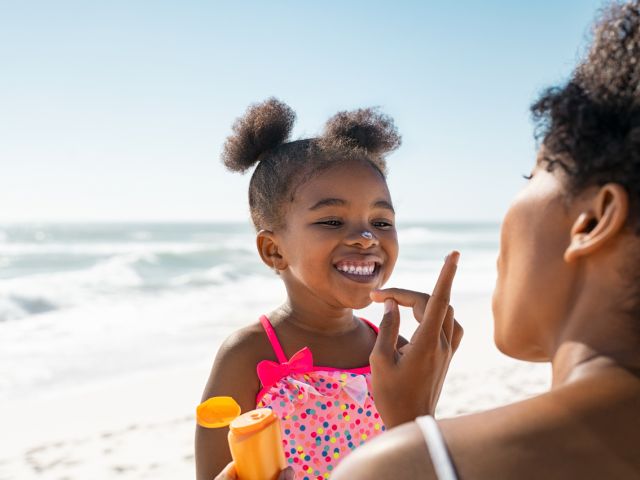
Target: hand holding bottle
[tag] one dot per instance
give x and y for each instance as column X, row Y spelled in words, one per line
column 229, row 473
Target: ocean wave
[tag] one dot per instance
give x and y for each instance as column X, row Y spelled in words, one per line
column 112, row 248
column 213, row 276
column 427, row 235
column 15, row 307
column 41, row 277
column 141, row 235
column 120, row 278
column 35, row 294
column 11, row 310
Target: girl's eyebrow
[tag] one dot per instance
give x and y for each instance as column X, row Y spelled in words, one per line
column 384, row 204
column 338, row 202
column 328, row 202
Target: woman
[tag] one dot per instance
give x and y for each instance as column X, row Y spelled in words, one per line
column 568, row 292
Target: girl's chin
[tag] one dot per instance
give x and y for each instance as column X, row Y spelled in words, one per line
column 361, row 303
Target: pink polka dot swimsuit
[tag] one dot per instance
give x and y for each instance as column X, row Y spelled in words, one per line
column 324, row 412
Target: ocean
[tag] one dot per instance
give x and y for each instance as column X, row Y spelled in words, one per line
column 83, row 303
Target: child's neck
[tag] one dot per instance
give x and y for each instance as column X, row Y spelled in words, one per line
column 330, row 321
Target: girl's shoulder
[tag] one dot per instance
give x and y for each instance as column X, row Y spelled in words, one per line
column 248, row 345
column 234, row 369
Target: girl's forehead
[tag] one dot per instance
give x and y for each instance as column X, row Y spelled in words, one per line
column 348, row 181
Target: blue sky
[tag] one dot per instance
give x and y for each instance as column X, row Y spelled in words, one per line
column 118, row 110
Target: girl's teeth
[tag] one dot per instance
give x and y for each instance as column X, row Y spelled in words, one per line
column 357, row 270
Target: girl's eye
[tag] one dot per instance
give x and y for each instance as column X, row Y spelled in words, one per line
column 330, row 223
column 528, row 177
column 382, row 224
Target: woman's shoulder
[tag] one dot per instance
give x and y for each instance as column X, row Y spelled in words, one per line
column 588, row 429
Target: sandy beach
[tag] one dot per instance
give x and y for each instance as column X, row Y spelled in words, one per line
column 141, row 426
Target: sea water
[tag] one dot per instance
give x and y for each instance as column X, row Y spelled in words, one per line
column 82, row 303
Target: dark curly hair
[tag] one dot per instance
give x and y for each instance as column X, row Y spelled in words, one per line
column 590, row 127
column 261, row 136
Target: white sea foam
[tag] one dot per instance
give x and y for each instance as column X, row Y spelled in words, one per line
column 102, row 248
column 35, row 294
column 427, row 235
column 84, row 304
column 215, row 275
column 104, row 339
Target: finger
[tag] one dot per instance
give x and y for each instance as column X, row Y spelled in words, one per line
column 447, row 325
column 437, row 306
column 407, row 298
column 456, row 338
column 385, row 346
column 228, row 473
column 286, row 474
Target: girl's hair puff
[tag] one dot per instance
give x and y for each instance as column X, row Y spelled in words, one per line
column 261, row 136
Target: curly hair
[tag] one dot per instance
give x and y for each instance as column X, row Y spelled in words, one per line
column 261, row 136
column 591, row 125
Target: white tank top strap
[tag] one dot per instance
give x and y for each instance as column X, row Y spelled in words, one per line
column 437, row 448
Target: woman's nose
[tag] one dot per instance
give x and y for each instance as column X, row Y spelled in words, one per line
column 363, row 238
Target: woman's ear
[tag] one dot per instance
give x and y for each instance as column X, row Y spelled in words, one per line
column 604, row 216
column 269, row 250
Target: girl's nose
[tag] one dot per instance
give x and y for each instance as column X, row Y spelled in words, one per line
column 363, row 238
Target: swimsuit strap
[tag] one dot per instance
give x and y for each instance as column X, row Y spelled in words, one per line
column 440, row 458
column 275, row 343
column 273, row 339
column 373, row 327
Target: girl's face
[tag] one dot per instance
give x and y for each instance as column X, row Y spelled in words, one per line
column 534, row 282
column 328, row 258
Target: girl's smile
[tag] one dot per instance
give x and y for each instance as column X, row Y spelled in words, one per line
column 360, row 269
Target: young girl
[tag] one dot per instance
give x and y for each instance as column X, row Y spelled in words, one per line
column 326, row 226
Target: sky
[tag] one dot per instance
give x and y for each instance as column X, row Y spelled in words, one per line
column 117, row 111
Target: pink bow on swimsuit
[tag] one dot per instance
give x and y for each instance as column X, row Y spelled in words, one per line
column 271, row 372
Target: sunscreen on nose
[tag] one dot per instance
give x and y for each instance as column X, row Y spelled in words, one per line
column 255, row 439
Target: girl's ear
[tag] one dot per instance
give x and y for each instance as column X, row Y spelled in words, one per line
column 603, row 218
column 269, row 251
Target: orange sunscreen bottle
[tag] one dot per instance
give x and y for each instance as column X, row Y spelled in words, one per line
column 254, row 437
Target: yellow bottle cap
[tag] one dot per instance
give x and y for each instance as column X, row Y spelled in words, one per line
column 253, row 421
column 217, row 412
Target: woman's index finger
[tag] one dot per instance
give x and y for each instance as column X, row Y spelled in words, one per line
column 429, row 329
column 442, row 290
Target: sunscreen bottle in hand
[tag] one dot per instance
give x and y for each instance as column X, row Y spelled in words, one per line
column 254, row 437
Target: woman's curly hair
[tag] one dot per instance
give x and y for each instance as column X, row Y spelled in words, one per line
column 261, row 136
column 591, row 125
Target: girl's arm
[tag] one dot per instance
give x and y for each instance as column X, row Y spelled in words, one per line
column 233, row 374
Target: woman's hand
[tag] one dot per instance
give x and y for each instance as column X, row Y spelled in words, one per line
column 229, row 473
column 407, row 381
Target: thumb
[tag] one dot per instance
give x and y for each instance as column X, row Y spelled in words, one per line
column 286, row 474
column 229, row 473
column 385, row 346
